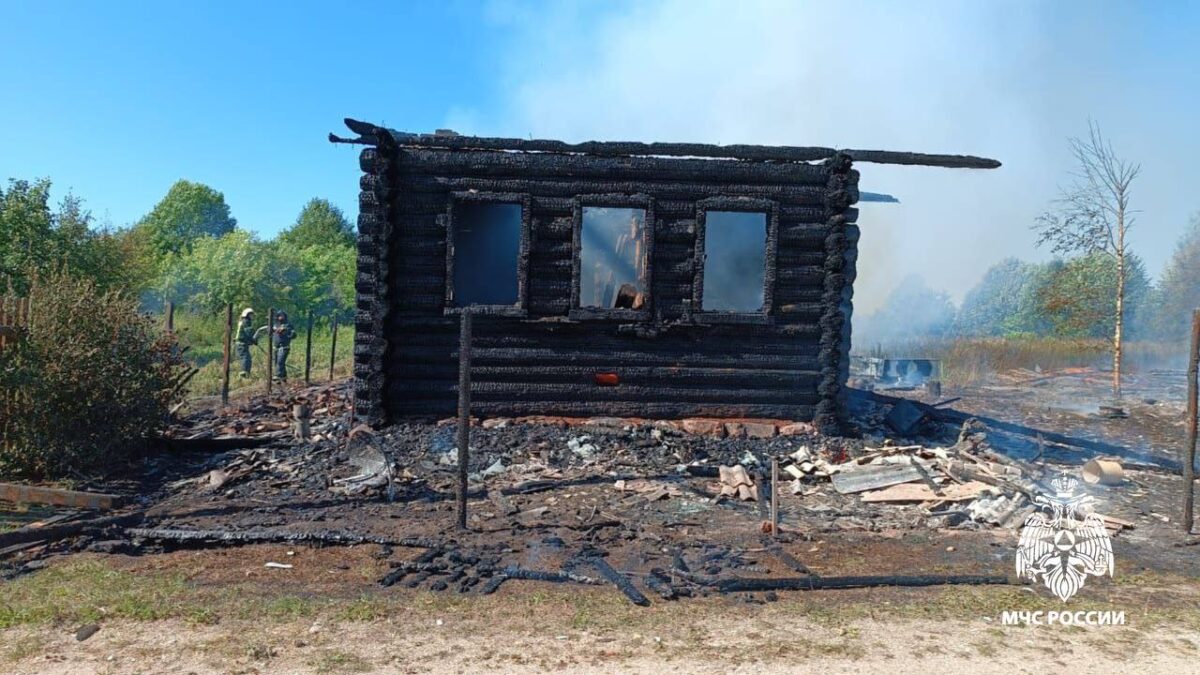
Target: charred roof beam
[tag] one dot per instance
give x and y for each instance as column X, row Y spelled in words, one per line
column 370, row 134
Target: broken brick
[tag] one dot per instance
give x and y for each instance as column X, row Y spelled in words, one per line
column 702, row 427
column 797, row 429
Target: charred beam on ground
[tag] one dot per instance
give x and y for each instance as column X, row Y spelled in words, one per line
column 621, row 581
column 243, row 537
column 813, row 583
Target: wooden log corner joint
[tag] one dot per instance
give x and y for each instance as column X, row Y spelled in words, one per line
column 654, row 280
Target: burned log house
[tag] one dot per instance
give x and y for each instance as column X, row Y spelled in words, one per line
column 620, row 279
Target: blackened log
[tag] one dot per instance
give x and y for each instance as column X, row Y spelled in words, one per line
column 417, row 579
column 419, row 566
column 796, row 296
column 661, row 586
column 241, row 537
column 52, row 533
column 392, row 577
column 515, row 572
column 805, row 236
column 803, row 359
column 419, row 188
column 647, row 376
column 676, row 231
column 371, row 133
column 419, row 247
column 552, row 249
column 554, row 228
column 493, row 584
column 641, row 409
column 513, row 165
column 537, row 391
column 922, row 159
column 621, row 581
column 801, row 275
column 813, row 583
column 500, row 333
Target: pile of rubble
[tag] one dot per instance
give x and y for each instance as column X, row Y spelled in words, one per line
column 316, row 413
column 828, row 483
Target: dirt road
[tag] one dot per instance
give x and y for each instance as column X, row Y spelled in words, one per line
column 226, row 612
column 730, row 640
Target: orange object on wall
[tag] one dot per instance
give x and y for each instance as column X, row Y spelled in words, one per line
column 607, row 379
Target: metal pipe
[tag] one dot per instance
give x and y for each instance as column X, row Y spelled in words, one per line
column 464, row 414
column 225, row 354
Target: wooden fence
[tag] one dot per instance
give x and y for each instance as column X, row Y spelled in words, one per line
column 227, row 346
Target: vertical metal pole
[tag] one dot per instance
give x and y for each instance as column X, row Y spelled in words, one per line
column 774, row 497
column 225, row 354
column 308, row 349
column 464, row 414
column 1189, row 454
column 170, row 317
column 270, row 344
column 333, row 347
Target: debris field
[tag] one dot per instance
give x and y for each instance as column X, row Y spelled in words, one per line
column 659, row 509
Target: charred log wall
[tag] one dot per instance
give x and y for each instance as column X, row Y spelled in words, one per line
column 373, row 281
column 675, row 360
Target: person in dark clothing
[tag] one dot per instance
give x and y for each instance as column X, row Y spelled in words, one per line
column 283, row 344
column 246, row 338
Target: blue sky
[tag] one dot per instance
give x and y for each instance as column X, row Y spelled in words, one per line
column 117, row 100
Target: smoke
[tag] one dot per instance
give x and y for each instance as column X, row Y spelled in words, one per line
column 1005, row 80
column 735, row 246
column 912, row 311
column 612, row 254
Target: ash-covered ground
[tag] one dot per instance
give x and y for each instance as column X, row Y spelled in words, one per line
column 676, row 508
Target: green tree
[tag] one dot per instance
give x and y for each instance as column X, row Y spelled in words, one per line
column 1092, row 216
column 1076, row 299
column 1004, row 302
column 28, row 227
column 320, row 223
column 234, row 268
column 188, row 212
column 1180, row 285
column 317, row 278
column 38, row 239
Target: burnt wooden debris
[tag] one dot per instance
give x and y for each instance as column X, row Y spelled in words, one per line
column 207, row 538
column 662, row 358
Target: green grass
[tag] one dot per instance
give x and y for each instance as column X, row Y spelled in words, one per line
column 88, row 591
column 204, row 338
column 79, row 591
column 337, row 661
column 968, row 361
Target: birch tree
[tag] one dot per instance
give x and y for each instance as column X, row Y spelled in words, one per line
column 1092, row 215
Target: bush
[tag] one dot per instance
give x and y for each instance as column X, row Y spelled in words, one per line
column 91, row 382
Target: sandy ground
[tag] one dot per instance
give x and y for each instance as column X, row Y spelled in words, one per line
column 728, row 642
column 229, row 614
